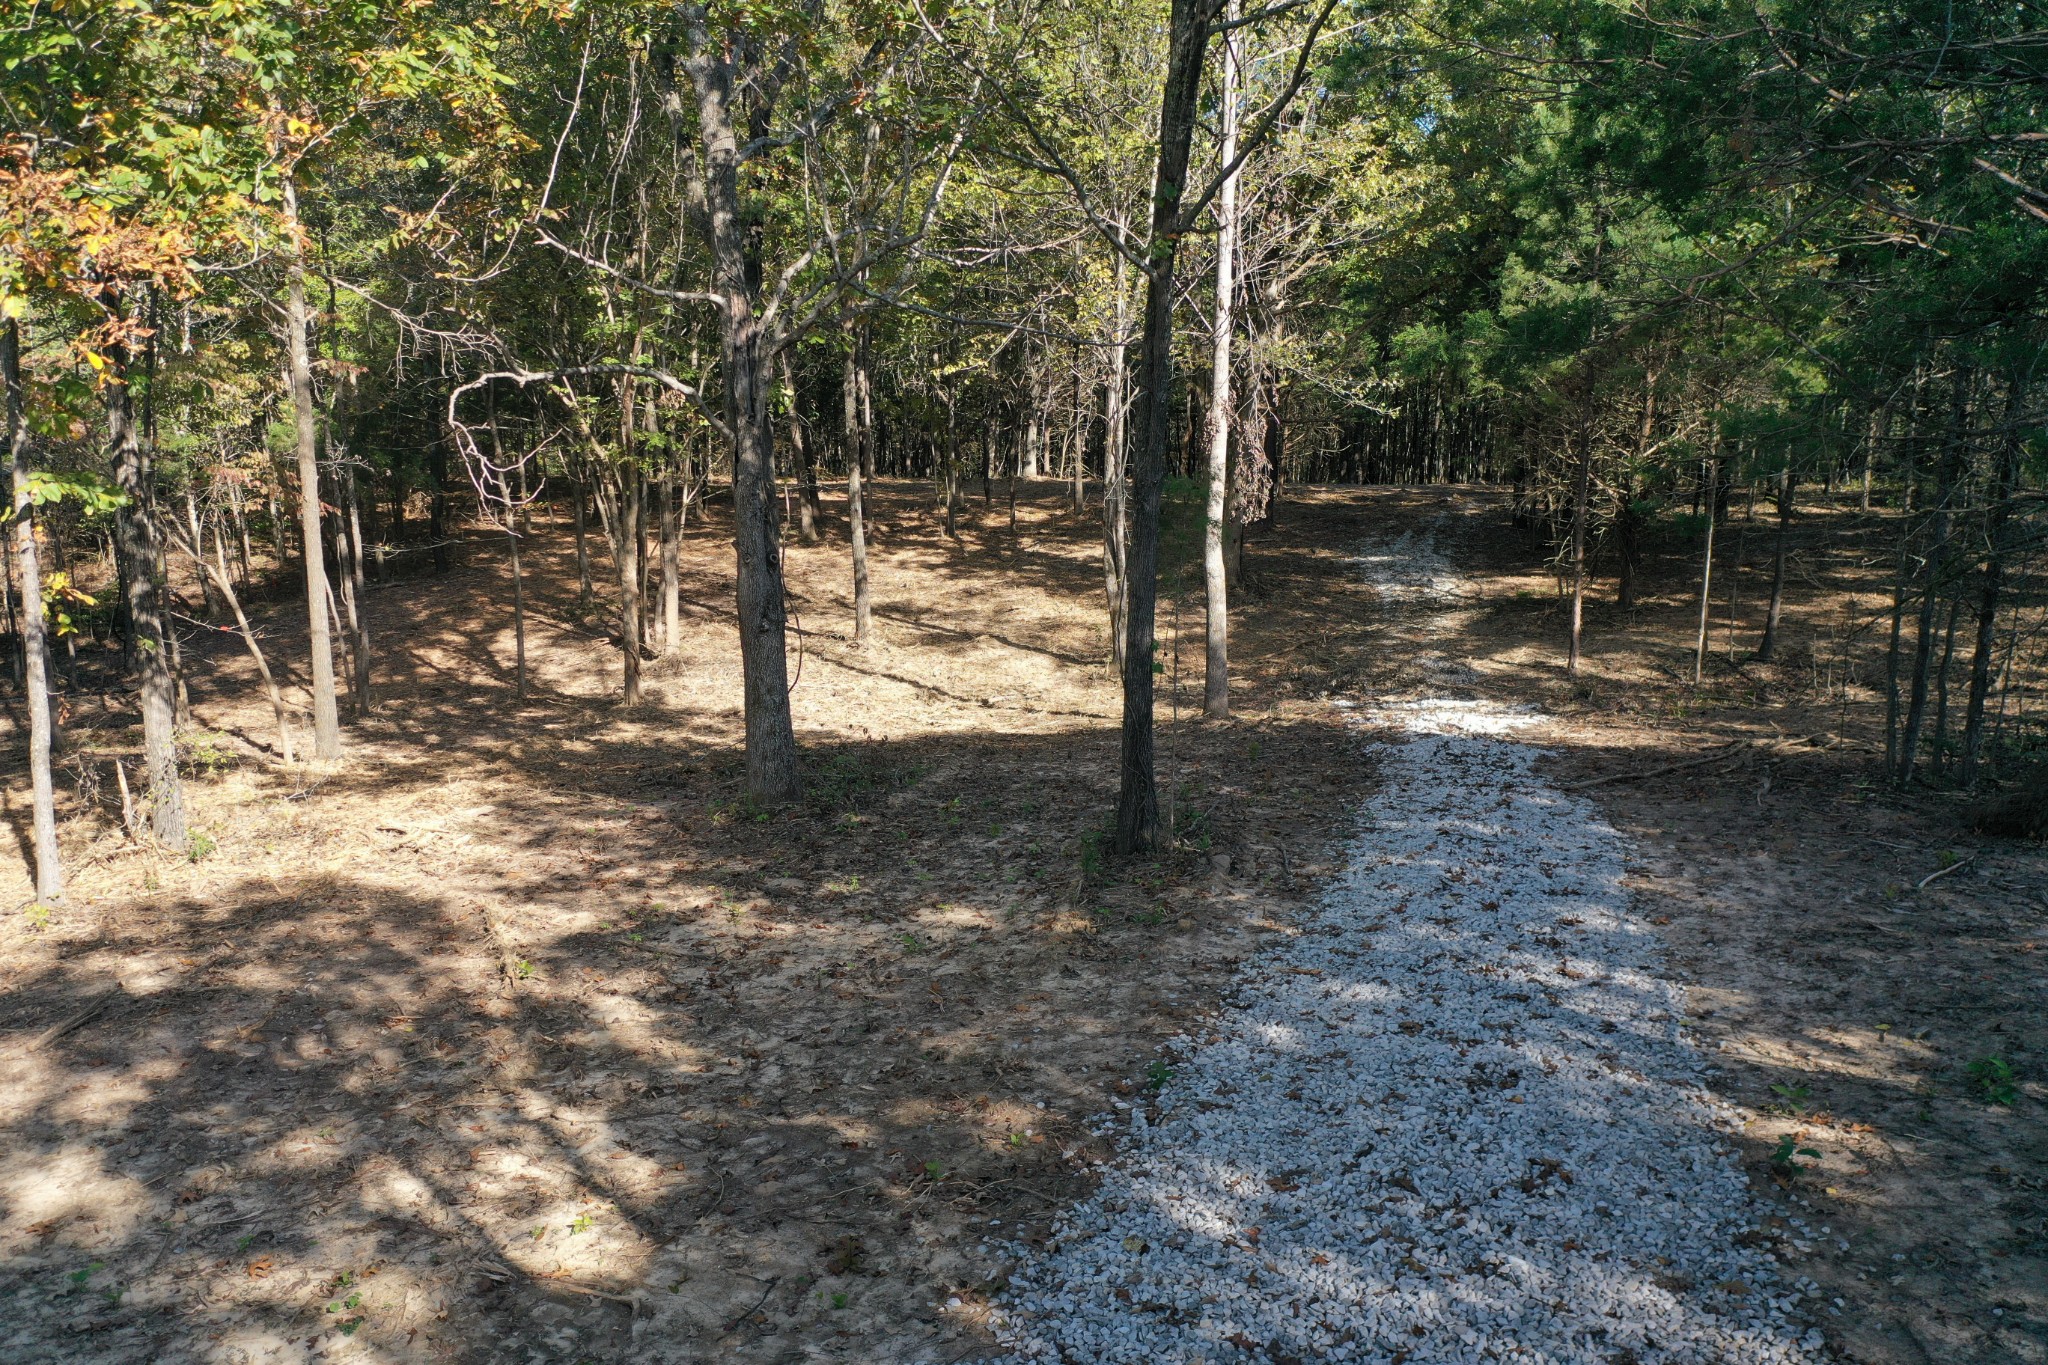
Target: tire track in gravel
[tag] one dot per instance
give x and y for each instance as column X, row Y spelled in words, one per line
column 1451, row 1119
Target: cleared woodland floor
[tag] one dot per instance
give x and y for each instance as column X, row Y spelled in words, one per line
column 520, row 1036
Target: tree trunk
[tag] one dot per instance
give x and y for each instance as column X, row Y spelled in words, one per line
column 136, row 539
column 1115, row 481
column 358, row 594
column 1699, row 652
column 1580, row 489
column 772, row 769
column 1768, row 649
column 584, row 592
column 35, row 650
column 626, row 559
column 326, row 716
column 1215, row 576
column 1137, row 807
column 671, row 568
column 511, row 545
column 1077, row 448
column 279, row 712
column 1989, row 591
column 1931, row 582
column 1939, row 747
column 856, row 521
column 806, row 463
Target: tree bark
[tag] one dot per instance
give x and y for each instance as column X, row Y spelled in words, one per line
column 1580, row 492
column 856, row 519
column 1768, row 649
column 1939, row 532
column 35, row 649
column 671, row 568
column 1115, row 475
column 1989, row 591
column 581, row 493
column 1706, row 494
column 511, row 545
column 137, row 538
column 1137, row 807
column 806, row 463
column 772, row 766
column 1215, row 575
column 326, row 715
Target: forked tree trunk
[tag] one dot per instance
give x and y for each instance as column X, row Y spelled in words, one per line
column 136, row 538
column 35, row 649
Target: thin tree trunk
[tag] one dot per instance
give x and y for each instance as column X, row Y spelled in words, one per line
column 326, row 715
column 358, row 594
column 671, row 569
column 1137, row 807
column 1768, row 649
column 278, row 709
column 1990, row 589
column 35, row 651
column 1939, row 746
column 1115, row 483
column 243, row 550
column 1931, row 582
column 856, row 522
column 511, row 544
column 137, row 537
column 1580, row 489
column 806, row 463
column 1077, row 448
column 1215, row 575
column 1699, row 652
column 626, row 559
column 583, row 587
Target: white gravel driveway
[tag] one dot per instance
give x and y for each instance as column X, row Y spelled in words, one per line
column 1452, row 1119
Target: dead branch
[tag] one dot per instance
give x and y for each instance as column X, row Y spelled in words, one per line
column 1727, row 750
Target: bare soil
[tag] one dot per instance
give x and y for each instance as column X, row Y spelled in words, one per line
column 520, row 1035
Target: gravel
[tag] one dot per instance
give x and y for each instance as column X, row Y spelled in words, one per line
column 1451, row 1118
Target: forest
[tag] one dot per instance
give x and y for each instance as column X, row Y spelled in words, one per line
column 895, row 680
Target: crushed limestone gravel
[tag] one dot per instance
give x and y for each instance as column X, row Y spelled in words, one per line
column 1451, row 1119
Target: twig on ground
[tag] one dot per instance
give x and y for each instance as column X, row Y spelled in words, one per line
column 1727, row 750
column 1943, row 872
column 773, row 1280
column 70, row 1022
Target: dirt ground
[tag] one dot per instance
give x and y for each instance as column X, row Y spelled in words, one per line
column 521, row 1036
